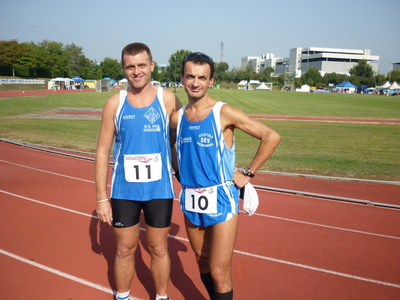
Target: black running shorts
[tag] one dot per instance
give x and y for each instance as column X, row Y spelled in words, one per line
column 126, row 213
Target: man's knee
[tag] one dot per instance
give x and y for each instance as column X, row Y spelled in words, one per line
column 160, row 250
column 126, row 251
column 221, row 275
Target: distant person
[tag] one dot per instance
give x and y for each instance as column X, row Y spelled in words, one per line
column 138, row 120
column 210, row 185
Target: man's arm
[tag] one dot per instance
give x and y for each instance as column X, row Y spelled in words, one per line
column 269, row 139
column 104, row 144
column 172, row 104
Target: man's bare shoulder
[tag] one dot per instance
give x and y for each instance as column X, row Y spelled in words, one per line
column 230, row 111
column 171, row 101
column 112, row 103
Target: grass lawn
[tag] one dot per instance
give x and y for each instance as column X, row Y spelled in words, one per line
column 359, row 150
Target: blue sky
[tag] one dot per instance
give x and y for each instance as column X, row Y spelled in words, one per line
column 247, row 28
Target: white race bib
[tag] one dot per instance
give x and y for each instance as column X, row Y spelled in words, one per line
column 143, row 167
column 201, row 200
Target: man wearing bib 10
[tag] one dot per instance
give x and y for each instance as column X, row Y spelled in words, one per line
column 138, row 119
column 210, row 185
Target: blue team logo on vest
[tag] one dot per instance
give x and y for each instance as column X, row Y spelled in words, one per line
column 152, row 115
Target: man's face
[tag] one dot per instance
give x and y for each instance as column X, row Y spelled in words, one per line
column 137, row 69
column 196, row 79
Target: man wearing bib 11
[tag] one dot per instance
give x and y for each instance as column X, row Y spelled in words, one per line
column 210, row 185
column 138, row 119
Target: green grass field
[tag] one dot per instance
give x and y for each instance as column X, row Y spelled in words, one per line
column 359, row 150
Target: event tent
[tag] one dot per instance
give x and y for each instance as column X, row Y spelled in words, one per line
column 386, row 85
column 59, row 83
column 263, row 86
column 362, row 89
column 303, row 88
column 346, row 87
column 77, row 79
column 394, row 86
column 242, row 84
column 346, row 84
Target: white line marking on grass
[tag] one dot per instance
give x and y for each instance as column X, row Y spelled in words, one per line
column 236, row 251
column 60, row 273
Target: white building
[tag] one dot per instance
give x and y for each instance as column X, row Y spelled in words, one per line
column 326, row 60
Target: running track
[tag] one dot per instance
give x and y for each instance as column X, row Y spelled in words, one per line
column 295, row 247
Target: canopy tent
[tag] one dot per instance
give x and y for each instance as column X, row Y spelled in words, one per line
column 346, row 84
column 386, row 85
column 303, row 88
column 242, row 84
column 394, row 86
column 346, row 87
column 77, row 79
column 59, row 83
column 264, row 87
column 362, row 89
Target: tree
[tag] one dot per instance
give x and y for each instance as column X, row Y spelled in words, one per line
column 78, row 61
column 362, row 73
column 334, row 78
column 51, row 56
column 220, row 71
column 394, row 75
column 111, row 68
column 362, row 69
column 312, row 77
column 175, row 65
column 13, row 54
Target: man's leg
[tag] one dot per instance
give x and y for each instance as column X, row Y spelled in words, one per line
column 157, row 239
column 223, row 238
column 201, row 247
column 158, row 215
column 124, row 266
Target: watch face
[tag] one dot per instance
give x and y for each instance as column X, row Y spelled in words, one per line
column 247, row 172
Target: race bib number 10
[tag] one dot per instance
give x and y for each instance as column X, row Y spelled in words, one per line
column 201, row 200
column 143, row 167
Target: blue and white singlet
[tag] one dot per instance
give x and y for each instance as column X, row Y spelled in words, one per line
column 142, row 154
column 206, row 166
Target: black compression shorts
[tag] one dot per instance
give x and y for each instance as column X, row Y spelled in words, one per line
column 126, row 213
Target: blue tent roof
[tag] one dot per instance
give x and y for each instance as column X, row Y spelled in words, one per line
column 77, row 79
column 346, row 84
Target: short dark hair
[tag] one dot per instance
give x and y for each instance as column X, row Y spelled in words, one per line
column 199, row 58
column 134, row 49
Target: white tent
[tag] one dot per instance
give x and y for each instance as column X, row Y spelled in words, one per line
column 59, row 83
column 263, row 86
column 394, row 86
column 386, row 85
column 304, row 88
column 242, row 84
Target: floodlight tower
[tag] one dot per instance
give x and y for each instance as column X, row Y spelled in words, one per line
column 288, row 84
column 222, row 52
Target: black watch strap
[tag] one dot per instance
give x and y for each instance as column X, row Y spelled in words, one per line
column 247, row 172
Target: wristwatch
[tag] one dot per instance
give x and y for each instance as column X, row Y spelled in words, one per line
column 247, row 172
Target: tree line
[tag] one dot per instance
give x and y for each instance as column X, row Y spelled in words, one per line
column 50, row 59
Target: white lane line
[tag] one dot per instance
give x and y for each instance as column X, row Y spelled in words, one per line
column 48, row 172
column 260, row 215
column 319, row 269
column 236, row 251
column 62, row 274
column 328, row 226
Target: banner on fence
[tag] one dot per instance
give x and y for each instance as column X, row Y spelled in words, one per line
column 21, row 81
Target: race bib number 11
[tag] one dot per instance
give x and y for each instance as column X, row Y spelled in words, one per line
column 143, row 167
column 201, row 200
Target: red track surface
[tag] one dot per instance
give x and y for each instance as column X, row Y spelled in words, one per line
column 293, row 248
